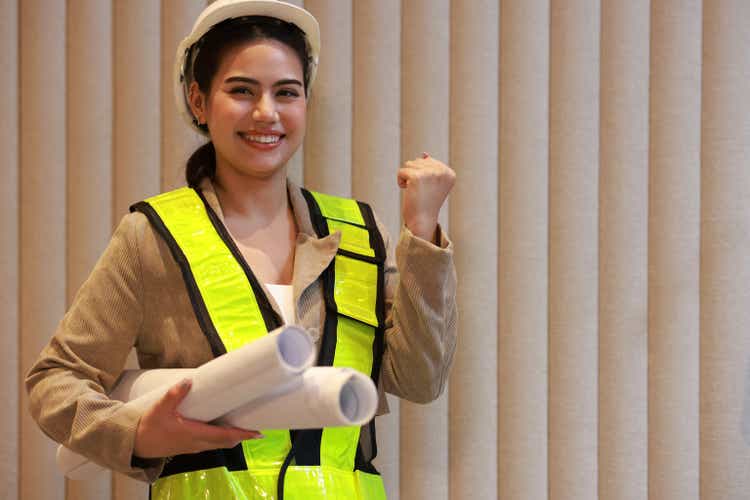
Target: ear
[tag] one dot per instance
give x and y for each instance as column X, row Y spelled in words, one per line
column 197, row 101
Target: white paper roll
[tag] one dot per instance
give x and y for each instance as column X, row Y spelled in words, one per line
column 228, row 381
column 267, row 384
column 268, row 364
column 327, row 397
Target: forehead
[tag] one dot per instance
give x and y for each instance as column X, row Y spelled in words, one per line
column 260, row 59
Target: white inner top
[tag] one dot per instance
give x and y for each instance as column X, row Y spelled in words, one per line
column 283, row 296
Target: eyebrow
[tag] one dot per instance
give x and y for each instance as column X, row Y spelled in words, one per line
column 252, row 81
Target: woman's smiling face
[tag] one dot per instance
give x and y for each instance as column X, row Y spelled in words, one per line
column 255, row 110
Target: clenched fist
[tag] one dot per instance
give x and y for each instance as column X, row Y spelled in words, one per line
column 426, row 183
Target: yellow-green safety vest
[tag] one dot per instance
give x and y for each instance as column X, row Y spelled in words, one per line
column 231, row 309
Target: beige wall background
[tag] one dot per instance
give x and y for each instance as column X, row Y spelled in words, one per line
column 601, row 220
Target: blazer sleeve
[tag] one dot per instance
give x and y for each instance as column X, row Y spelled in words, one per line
column 421, row 317
column 68, row 383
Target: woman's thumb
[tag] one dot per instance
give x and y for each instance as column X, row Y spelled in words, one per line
column 176, row 394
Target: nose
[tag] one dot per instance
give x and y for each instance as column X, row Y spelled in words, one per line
column 265, row 110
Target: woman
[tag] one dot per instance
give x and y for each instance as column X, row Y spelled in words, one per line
column 243, row 78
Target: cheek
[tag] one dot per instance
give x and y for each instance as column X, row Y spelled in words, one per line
column 226, row 108
column 296, row 117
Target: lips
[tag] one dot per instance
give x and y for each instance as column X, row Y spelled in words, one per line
column 262, row 140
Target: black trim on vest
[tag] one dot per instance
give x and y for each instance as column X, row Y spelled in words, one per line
column 285, row 466
column 378, row 346
column 363, row 464
column 377, row 243
column 307, row 448
column 233, row 459
column 376, row 239
column 318, row 221
column 199, row 307
column 270, row 317
column 328, row 340
column 358, row 256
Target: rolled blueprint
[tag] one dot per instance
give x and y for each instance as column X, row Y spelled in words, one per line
column 327, row 397
column 273, row 362
column 304, row 398
column 228, row 381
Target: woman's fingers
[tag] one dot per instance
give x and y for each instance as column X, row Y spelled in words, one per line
column 174, row 396
column 208, row 436
column 404, row 175
column 163, row 432
column 410, row 171
column 426, row 167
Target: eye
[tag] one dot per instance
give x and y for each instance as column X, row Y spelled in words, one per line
column 241, row 91
column 287, row 93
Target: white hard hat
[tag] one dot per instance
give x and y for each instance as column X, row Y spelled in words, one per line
column 221, row 10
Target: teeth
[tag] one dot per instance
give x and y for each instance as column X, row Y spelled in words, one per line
column 264, row 139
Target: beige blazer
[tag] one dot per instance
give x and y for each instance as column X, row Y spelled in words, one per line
column 135, row 297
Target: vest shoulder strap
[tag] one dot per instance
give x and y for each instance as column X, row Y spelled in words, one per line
column 360, row 236
column 233, row 312
column 353, row 335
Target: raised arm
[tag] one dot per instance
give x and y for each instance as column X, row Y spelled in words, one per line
column 421, row 312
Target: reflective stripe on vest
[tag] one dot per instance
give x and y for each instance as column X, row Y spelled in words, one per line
column 232, row 310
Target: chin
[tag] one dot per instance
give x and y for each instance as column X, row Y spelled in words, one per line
column 258, row 166
column 261, row 171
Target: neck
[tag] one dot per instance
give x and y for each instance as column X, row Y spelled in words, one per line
column 259, row 198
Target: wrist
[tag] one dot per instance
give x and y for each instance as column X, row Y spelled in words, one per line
column 426, row 229
column 142, row 445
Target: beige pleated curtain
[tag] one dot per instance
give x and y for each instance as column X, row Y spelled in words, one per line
column 601, row 222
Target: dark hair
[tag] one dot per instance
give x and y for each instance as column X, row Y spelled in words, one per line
column 211, row 48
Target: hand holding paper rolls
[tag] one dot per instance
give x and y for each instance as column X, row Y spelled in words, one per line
column 173, row 425
column 267, row 384
column 163, row 432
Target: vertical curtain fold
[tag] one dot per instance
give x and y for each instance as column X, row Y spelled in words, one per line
column 137, row 109
column 474, row 78
column 623, row 250
column 725, row 252
column 523, row 249
column 674, row 250
column 9, row 247
column 523, row 257
column 573, row 249
column 42, row 218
